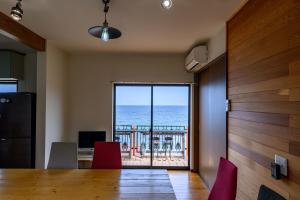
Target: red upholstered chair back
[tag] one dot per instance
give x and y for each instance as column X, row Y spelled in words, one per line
column 226, row 182
column 107, row 155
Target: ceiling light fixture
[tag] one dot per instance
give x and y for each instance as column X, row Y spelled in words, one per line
column 17, row 11
column 105, row 32
column 167, row 4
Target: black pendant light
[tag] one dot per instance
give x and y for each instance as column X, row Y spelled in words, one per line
column 17, row 12
column 105, row 32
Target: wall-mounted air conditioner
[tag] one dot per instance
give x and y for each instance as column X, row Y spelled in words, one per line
column 196, row 59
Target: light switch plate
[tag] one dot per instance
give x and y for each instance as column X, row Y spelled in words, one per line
column 228, row 105
column 283, row 164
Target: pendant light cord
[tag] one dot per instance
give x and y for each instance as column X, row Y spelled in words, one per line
column 106, row 9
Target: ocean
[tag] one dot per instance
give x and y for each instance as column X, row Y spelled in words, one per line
column 162, row 115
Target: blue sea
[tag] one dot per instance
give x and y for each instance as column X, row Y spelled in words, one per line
column 162, row 115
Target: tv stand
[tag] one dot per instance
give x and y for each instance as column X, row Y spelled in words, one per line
column 85, row 151
column 85, row 158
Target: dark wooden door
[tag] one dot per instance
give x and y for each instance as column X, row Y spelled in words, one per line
column 212, row 118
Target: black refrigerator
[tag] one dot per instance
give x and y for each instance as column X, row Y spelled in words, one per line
column 17, row 130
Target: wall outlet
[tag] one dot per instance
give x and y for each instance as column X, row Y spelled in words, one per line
column 283, row 164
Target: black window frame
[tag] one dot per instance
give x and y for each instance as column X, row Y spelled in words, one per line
column 115, row 85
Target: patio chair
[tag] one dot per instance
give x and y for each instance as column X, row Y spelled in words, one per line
column 156, row 146
column 142, row 149
column 125, row 146
column 168, row 145
column 117, row 139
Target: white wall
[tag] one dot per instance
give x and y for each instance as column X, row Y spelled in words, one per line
column 91, row 78
column 217, row 44
column 40, row 110
column 52, row 107
column 56, row 97
column 75, row 92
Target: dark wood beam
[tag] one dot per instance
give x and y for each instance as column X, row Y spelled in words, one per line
column 20, row 33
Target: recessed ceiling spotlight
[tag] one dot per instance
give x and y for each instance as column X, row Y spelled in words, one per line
column 17, row 11
column 166, row 4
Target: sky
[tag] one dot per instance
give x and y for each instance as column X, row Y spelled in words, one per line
column 162, row 95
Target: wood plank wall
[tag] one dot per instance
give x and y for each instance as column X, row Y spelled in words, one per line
column 264, row 86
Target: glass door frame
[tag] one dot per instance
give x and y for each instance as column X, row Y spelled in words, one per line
column 115, row 85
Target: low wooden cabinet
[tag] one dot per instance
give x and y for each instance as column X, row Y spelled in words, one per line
column 84, row 164
column 85, row 158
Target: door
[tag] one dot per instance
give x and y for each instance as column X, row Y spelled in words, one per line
column 212, row 118
column 170, row 126
column 132, row 124
column 151, row 122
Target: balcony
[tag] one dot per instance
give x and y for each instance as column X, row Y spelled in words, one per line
column 169, row 144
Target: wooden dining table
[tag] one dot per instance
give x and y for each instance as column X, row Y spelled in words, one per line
column 89, row 184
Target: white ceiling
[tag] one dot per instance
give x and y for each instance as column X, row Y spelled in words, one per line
column 145, row 26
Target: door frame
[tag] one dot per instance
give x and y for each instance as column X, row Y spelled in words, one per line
column 152, row 85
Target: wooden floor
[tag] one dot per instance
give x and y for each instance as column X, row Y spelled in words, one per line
column 188, row 185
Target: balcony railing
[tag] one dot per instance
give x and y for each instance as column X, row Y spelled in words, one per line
column 167, row 141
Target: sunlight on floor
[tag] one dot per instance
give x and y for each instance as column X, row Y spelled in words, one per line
column 188, row 185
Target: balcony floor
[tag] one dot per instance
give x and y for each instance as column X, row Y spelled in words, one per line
column 163, row 162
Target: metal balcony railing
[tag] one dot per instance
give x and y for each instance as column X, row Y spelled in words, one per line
column 167, row 141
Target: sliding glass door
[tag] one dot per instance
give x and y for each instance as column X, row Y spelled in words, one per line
column 132, row 123
column 151, row 122
column 170, row 126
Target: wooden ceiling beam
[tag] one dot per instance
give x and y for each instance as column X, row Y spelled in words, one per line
column 20, row 33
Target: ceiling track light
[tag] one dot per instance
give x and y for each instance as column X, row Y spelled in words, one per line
column 17, row 12
column 167, row 4
column 105, row 32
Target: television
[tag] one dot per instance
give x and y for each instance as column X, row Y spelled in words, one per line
column 87, row 139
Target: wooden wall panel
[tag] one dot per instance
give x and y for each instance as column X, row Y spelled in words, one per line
column 264, row 87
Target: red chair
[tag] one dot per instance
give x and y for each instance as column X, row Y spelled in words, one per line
column 107, row 155
column 226, row 182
